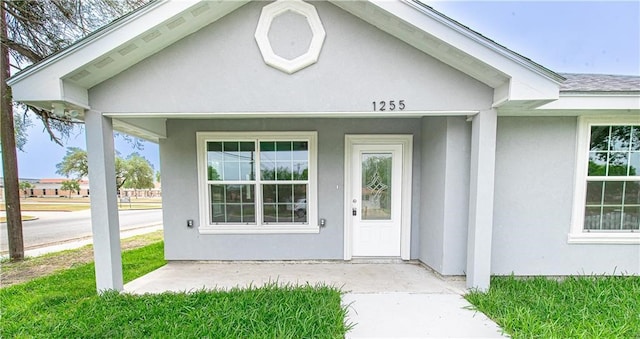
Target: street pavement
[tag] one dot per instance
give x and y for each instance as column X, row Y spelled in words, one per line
column 53, row 228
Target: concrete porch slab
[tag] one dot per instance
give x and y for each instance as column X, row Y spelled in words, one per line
column 385, row 300
column 350, row 277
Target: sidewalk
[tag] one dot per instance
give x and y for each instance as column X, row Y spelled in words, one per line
column 80, row 242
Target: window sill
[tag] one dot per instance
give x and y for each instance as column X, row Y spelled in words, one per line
column 631, row 238
column 244, row 229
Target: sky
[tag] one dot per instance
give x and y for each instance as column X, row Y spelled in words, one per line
column 566, row 37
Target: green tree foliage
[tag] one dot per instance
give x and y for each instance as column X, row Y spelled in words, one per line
column 21, row 123
column 139, row 172
column 133, row 172
column 609, row 146
column 71, row 186
column 24, row 186
column 212, row 173
column 74, row 164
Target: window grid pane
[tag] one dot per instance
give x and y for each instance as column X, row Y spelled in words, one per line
column 230, row 161
column 232, row 203
column 284, row 203
column 283, row 180
column 612, row 201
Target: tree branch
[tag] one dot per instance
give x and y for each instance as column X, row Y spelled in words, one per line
column 23, row 49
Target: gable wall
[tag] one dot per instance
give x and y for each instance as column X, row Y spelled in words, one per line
column 220, row 69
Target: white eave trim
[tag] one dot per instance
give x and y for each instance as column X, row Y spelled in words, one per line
column 595, row 101
column 88, row 40
column 341, row 114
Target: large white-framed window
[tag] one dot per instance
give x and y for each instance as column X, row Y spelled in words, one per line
column 257, row 182
column 607, row 188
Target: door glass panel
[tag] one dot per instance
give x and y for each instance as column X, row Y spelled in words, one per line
column 376, row 186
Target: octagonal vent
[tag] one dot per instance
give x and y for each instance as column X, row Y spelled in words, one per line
column 290, row 35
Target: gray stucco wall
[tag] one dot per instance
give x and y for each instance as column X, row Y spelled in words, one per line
column 220, row 69
column 535, row 164
column 445, row 193
column 180, row 196
column 432, row 171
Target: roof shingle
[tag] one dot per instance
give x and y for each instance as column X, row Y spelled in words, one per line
column 600, row 83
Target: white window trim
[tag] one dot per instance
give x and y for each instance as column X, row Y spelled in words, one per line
column 312, row 203
column 577, row 234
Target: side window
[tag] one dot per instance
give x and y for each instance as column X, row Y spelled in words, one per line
column 613, row 182
column 607, row 188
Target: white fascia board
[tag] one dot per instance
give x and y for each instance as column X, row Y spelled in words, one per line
column 526, row 80
column 135, row 24
column 596, row 101
column 534, row 90
column 43, row 82
column 297, row 114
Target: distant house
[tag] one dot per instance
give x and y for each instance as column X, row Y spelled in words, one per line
column 399, row 133
column 53, row 188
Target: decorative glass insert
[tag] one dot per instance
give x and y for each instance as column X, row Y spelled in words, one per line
column 613, row 179
column 376, row 186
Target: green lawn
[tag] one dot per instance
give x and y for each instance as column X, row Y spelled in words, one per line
column 65, row 305
column 575, row 307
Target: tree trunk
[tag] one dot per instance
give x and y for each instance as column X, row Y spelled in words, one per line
column 9, row 157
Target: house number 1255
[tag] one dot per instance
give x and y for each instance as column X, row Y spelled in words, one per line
column 390, row 105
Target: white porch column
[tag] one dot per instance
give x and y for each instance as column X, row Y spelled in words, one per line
column 104, row 204
column 483, row 156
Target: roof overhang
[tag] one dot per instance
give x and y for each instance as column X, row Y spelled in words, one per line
column 65, row 78
column 587, row 103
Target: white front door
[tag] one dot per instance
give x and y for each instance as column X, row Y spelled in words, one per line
column 377, row 185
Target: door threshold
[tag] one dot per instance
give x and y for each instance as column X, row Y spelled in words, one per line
column 377, row 260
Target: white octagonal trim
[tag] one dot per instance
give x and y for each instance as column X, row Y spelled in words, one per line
column 310, row 57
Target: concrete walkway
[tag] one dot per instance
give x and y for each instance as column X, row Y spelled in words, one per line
column 386, row 300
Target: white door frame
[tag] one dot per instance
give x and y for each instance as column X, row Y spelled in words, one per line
column 406, row 141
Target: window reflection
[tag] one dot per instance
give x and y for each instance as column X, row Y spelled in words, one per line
column 284, row 160
column 232, row 203
column 283, row 180
column 228, row 161
column 613, row 203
